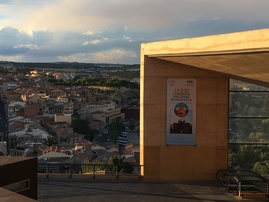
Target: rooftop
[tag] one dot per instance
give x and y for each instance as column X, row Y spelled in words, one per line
column 61, row 188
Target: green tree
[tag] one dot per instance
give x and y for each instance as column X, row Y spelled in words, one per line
column 91, row 134
column 261, row 168
column 256, row 137
column 265, row 125
column 131, row 126
column 87, row 166
column 114, row 129
column 75, row 115
column 51, row 141
column 243, row 156
column 119, row 164
column 82, row 126
column 115, row 160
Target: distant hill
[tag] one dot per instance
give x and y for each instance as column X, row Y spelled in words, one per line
column 68, row 65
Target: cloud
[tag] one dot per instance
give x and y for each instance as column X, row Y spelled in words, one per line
column 14, row 41
column 112, row 30
column 92, row 15
column 85, row 43
column 27, row 46
column 9, row 39
column 109, row 56
column 91, row 42
column 45, row 46
column 88, row 32
column 95, row 41
column 115, row 55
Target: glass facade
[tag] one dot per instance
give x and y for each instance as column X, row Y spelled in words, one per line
column 248, row 127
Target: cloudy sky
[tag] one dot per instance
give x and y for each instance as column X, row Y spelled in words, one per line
column 111, row 31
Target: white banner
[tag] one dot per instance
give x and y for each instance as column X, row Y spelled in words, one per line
column 181, row 111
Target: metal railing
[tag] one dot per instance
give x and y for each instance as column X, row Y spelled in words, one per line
column 243, row 181
column 92, row 170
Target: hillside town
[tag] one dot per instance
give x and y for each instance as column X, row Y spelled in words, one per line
column 52, row 118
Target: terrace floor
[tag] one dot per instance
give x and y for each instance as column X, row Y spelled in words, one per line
column 80, row 189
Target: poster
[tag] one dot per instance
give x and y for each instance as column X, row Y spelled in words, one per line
column 181, row 111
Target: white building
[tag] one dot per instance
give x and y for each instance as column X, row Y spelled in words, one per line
column 109, row 116
column 13, row 107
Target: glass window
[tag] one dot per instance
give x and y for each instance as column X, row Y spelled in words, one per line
column 236, row 85
column 18, row 186
column 248, row 127
column 251, row 157
column 248, row 130
column 249, row 104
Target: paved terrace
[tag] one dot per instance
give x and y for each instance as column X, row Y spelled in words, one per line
column 80, row 189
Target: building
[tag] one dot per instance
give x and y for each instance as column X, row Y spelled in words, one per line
column 58, row 118
column 22, row 182
column 189, row 79
column 4, row 122
column 122, row 139
column 63, row 112
column 29, row 111
column 109, row 115
column 57, row 93
column 3, row 148
column 131, row 113
column 7, row 85
column 14, row 107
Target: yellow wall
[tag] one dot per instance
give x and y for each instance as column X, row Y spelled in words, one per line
column 175, row 162
column 63, row 118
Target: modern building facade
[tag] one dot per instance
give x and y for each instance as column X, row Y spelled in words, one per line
column 184, row 100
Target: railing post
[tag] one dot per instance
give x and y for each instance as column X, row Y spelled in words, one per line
column 239, row 188
column 47, row 170
column 70, row 175
column 93, row 171
column 140, row 168
column 117, row 171
column 267, row 190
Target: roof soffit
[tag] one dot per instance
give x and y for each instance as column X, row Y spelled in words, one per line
column 238, row 55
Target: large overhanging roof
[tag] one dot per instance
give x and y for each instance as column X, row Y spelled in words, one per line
column 240, row 55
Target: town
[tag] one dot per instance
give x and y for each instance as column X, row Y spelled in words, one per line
column 70, row 113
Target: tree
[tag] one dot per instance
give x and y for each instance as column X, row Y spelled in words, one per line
column 243, row 156
column 261, row 168
column 75, row 115
column 256, row 137
column 51, row 141
column 90, row 134
column 131, row 126
column 114, row 130
column 119, row 164
column 82, row 126
column 115, row 160
column 265, row 125
column 87, row 168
